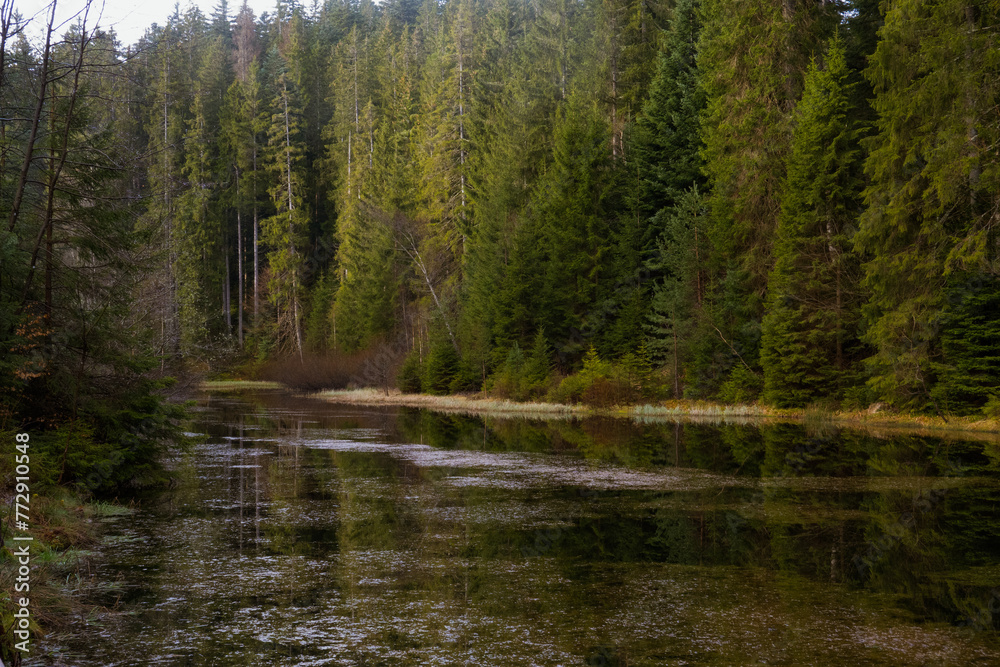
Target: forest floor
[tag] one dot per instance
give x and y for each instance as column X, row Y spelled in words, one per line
column 875, row 419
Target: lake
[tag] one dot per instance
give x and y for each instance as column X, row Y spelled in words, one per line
column 305, row 533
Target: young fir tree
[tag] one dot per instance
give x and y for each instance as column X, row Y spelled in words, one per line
column 811, row 307
column 968, row 371
column 667, row 140
column 677, row 305
column 667, row 198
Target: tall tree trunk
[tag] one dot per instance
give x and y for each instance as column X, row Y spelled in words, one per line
column 43, row 83
column 256, row 243
column 227, row 309
column 291, row 227
column 56, row 167
column 239, row 264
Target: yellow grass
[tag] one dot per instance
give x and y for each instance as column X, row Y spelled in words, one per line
column 452, row 403
column 238, row 385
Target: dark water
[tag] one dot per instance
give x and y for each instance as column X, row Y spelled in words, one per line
column 304, row 533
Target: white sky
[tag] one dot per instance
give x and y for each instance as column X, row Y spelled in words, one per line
column 130, row 18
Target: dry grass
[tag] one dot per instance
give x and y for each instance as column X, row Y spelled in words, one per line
column 373, row 367
column 878, row 423
column 875, row 422
column 454, row 403
column 238, row 385
column 63, row 529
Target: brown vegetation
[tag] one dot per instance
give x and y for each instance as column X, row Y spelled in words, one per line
column 374, row 367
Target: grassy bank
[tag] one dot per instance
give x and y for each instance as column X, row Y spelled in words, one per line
column 468, row 404
column 63, row 530
column 238, row 385
column 880, row 420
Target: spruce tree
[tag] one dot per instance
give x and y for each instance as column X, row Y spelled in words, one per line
column 285, row 232
column 932, row 183
column 667, row 140
column 575, row 233
column 811, row 307
column 752, row 57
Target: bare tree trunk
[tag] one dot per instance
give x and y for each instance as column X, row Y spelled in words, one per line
column 256, row 243
column 227, row 308
column 239, row 264
column 677, row 377
column 55, row 168
column 15, row 208
column 291, row 229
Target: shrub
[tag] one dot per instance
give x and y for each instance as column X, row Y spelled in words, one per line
column 742, row 386
column 992, row 407
column 442, row 367
column 409, row 377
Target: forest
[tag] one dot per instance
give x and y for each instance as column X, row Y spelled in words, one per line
column 792, row 202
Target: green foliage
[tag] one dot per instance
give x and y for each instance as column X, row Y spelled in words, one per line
column 605, row 384
column 442, row 367
column 410, row 376
column 538, row 365
column 992, row 407
column 678, row 300
column 521, row 376
column 968, row 368
column 812, row 309
column 570, row 205
column 667, row 141
column 742, row 386
column 318, row 329
column 509, row 380
column 752, row 58
column 932, row 182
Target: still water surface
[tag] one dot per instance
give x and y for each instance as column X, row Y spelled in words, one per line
column 304, row 533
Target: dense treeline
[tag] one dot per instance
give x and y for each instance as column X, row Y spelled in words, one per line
column 78, row 372
column 791, row 201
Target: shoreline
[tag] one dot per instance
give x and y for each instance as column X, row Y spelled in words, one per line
column 683, row 410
